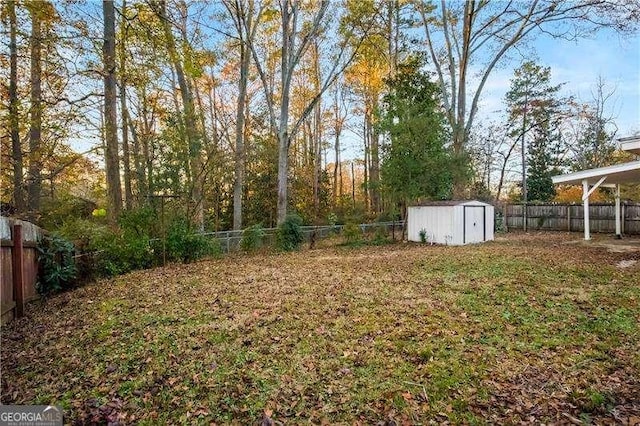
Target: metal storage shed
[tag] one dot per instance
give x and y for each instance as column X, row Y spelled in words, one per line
column 451, row 222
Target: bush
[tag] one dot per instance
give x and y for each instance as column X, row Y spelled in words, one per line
column 121, row 252
column 289, row 235
column 142, row 221
column 252, row 238
column 186, row 245
column 56, row 263
column 108, row 252
column 380, row 237
column 423, row 235
column 352, row 234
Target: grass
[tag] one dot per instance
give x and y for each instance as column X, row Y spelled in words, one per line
column 523, row 329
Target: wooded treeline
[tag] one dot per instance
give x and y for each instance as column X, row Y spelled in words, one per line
column 240, row 111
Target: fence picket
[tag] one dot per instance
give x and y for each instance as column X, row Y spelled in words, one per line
column 570, row 217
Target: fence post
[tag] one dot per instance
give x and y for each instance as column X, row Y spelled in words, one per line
column 18, row 268
column 505, row 219
column 569, row 217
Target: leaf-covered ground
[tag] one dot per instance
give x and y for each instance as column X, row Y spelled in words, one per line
column 525, row 329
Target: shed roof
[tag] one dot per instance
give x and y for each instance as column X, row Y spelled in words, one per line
column 444, row 203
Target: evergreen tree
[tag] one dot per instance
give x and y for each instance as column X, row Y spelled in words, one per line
column 416, row 162
column 534, row 111
column 541, row 158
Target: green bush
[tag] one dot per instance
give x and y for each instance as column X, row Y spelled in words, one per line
column 352, row 234
column 186, row 245
column 423, row 235
column 380, row 237
column 106, row 251
column 142, row 221
column 56, row 263
column 289, row 236
column 252, row 238
column 121, row 252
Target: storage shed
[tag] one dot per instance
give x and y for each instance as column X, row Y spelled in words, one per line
column 451, row 222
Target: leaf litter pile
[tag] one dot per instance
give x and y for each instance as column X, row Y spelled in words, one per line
column 525, row 329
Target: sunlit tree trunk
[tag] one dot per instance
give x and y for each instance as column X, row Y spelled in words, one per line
column 34, row 186
column 112, row 162
column 124, row 112
column 14, row 120
column 242, row 14
column 195, row 157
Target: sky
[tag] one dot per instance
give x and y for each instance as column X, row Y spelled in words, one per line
column 578, row 64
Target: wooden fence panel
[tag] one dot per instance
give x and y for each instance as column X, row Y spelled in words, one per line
column 570, row 217
column 6, row 284
column 30, row 235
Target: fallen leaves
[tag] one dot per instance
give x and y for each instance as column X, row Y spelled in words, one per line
column 505, row 332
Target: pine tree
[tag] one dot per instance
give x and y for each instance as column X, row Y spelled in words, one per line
column 416, row 161
column 534, row 111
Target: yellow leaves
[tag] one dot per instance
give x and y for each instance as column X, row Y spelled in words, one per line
column 366, row 76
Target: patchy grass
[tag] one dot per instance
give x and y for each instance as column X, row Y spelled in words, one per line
column 526, row 329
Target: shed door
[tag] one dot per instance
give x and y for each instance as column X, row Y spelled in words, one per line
column 474, row 224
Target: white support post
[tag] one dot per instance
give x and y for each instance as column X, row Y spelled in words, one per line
column 585, row 207
column 618, row 215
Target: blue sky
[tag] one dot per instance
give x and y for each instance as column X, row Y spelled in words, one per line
column 578, row 64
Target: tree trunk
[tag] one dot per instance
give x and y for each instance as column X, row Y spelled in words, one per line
column 283, row 171
column 336, row 190
column 14, row 120
column 112, row 162
column 367, row 144
column 126, row 156
column 374, row 172
column 239, row 171
column 34, row 187
column 141, row 181
column 286, row 71
column 195, row 159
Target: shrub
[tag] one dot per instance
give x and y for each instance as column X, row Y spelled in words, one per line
column 380, row 237
column 352, row 234
column 423, row 235
column 332, row 219
column 252, row 238
column 56, row 263
column 186, row 245
column 289, row 235
column 142, row 221
column 85, row 235
column 108, row 252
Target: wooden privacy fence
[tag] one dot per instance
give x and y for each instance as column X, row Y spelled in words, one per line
column 19, row 266
column 230, row 240
column 570, row 217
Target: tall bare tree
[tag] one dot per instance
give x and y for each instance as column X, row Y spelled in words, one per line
column 34, row 186
column 14, row 120
column 297, row 37
column 482, row 33
column 112, row 161
column 245, row 22
column 194, row 139
column 124, row 112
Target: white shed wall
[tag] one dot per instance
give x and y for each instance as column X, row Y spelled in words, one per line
column 446, row 224
column 437, row 221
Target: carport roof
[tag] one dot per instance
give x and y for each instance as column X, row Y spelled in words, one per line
column 630, row 144
column 619, row 173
